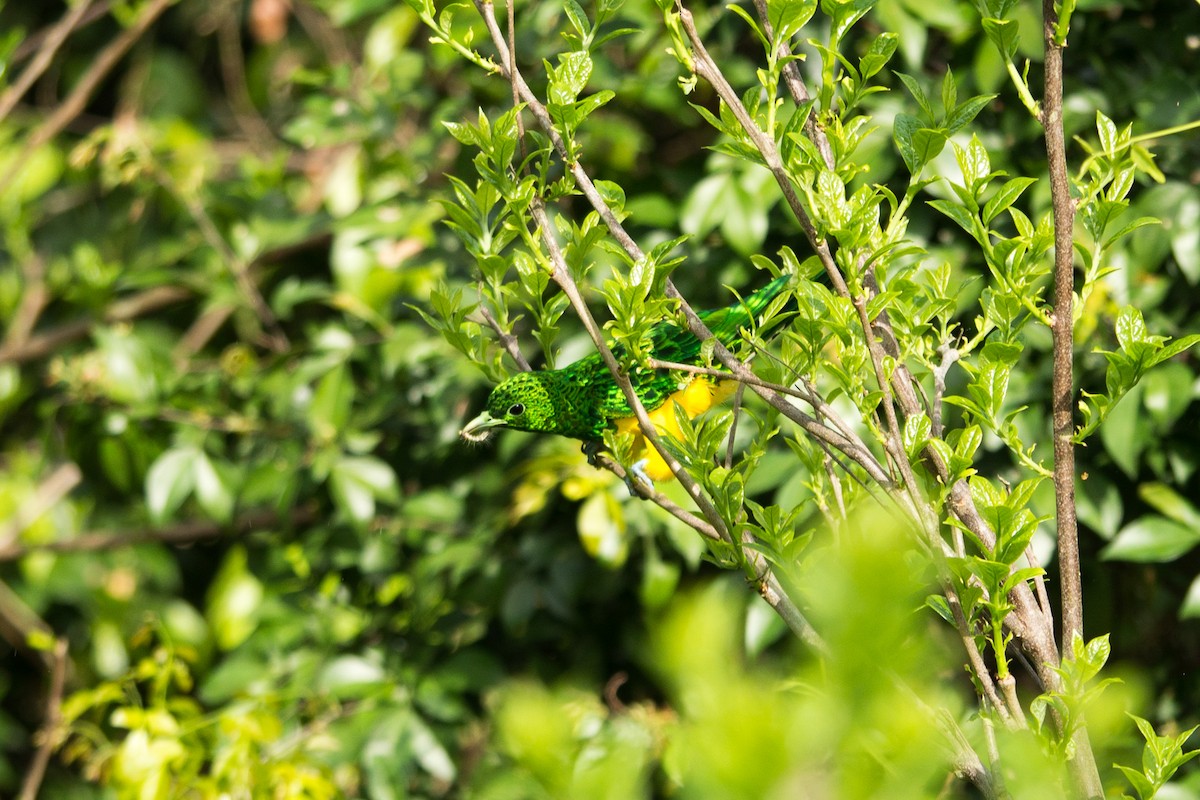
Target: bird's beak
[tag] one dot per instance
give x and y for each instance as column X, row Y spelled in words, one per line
column 478, row 429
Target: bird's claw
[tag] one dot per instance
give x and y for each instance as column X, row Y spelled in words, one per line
column 591, row 450
column 637, row 472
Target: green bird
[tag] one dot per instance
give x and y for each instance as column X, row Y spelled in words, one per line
column 582, row 400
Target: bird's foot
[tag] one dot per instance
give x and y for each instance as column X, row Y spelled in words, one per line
column 591, row 449
column 637, row 472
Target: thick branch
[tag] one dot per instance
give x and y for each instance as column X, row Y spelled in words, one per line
column 1083, row 766
column 1063, row 333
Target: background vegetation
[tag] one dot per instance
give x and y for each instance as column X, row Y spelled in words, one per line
column 245, row 554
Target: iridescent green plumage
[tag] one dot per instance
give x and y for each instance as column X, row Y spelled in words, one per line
column 582, row 400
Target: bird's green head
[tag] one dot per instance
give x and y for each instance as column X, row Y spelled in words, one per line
column 525, row 402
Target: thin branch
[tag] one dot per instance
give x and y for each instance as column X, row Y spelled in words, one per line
column 21, row 627
column 77, row 100
column 661, row 500
column 33, row 301
column 841, row 437
column 795, row 84
column 233, row 74
column 53, row 39
column 771, row 591
column 949, row 356
column 32, row 43
column 48, row 494
column 200, row 333
column 506, row 338
column 180, row 533
column 48, row 342
column 239, row 267
column 47, row 738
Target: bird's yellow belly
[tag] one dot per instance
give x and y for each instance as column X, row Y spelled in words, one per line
column 694, row 399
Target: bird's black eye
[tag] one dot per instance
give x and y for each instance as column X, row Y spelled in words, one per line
column 516, row 410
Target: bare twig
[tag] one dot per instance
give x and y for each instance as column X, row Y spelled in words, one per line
column 239, row 267
column 949, row 356
column 49, row 492
column 661, row 500
column 33, row 300
column 233, row 74
column 50, row 43
column 179, row 533
column 75, row 102
column 506, row 337
column 33, row 43
column 200, row 332
column 20, row 626
column 47, row 739
column 48, row 342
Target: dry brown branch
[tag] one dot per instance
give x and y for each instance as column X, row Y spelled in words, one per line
column 33, row 300
column 1083, row 769
column 34, row 41
column 46, row 738
column 20, row 626
column 48, row 494
column 1062, row 390
column 506, row 338
column 180, row 533
column 239, row 267
column 233, row 74
column 75, row 102
column 46, row 343
column 48, row 46
column 200, row 332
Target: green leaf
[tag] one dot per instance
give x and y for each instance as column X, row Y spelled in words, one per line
column 169, row 481
column 962, row 115
column 234, row 601
column 214, row 491
column 957, row 213
column 927, row 144
column 1151, row 539
column 1190, row 609
column 357, row 482
column 918, row 93
column 788, row 17
column 877, row 55
column 330, row 408
column 1171, row 504
column 1005, row 197
column 1126, row 432
column 1004, row 35
column 570, row 77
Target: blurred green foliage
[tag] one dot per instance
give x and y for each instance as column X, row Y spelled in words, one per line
column 278, row 571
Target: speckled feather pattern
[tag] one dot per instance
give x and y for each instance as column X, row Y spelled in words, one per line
column 582, row 400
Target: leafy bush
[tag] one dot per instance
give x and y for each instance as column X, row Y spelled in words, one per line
column 246, row 555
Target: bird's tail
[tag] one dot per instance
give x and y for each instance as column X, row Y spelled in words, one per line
column 726, row 322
